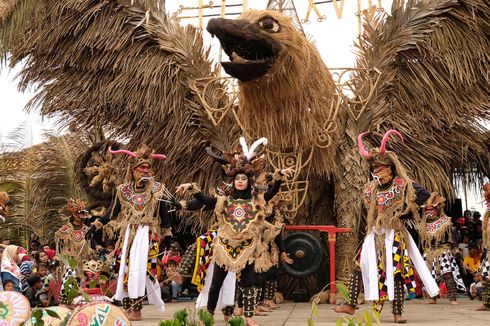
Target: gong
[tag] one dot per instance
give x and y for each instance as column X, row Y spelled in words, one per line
column 305, row 250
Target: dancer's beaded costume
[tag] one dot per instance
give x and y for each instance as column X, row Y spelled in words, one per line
column 436, row 236
column 240, row 218
column 71, row 243
column 138, row 218
column 388, row 253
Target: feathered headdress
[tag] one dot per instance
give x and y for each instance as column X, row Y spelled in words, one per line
column 242, row 160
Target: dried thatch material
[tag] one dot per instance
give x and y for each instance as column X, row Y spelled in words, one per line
column 14, row 15
column 433, row 58
column 40, row 180
column 6, row 7
column 126, row 67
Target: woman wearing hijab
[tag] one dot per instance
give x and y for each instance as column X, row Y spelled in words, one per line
column 10, row 269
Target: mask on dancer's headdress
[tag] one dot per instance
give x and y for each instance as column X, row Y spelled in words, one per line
column 140, row 164
column 434, row 206
column 93, row 268
column 75, row 207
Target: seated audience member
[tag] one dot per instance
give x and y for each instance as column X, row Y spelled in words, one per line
column 34, row 246
column 31, row 293
column 463, row 246
column 172, row 254
column 476, row 287
column 472, row 261
column 174, row 279
column 8, row 285
column 44, row 294
column 10, row 267
column 477, row 234
column 26, row 270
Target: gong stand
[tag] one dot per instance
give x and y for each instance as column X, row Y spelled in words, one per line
column 332, row 231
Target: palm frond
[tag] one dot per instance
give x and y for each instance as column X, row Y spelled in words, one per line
column 126, row 66
column 14, row 17
column 434, row 59
column 40, row 180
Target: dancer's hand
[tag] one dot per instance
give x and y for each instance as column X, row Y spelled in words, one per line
column 285, row 258
column 183, row 188
column 288, row 172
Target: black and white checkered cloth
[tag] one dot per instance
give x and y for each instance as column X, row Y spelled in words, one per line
column 485, row 267
column 447, row 264
column 66, row 276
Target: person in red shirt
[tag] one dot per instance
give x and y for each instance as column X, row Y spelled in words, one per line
column 173, row 253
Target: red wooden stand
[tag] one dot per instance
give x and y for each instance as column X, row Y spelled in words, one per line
column 332, row 231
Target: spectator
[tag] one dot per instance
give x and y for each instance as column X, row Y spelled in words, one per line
column 8, row 285
column 476, row 217
column 26, row 270
column 476, row 236
column 476, row 288
column 34, row 246
column 472, row 261
column 174, row 279
column 10, row 269
column 463, row 246
column 467, row 218
column 31, row 293
column 44, row 294
column 172, row 254
column 40, row 257
column 110, row 246
column 5, row 243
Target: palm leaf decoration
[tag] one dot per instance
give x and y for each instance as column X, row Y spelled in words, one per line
column 432, row 59
column 125, row 66
column 14, row 16
column 40, row 180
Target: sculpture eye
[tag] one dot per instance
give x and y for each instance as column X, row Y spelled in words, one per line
column 269, row 25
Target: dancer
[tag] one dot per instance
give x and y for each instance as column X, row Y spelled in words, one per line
column 269, row 256
column 392, row 200
column 140, row 217
column 437, row 241
column 71, row 243
column 277, row 253
column 485, row 263
column 240, row 216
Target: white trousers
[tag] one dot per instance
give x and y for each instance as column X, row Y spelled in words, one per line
column 369, row 266
column 138, row 280
column 226, row 294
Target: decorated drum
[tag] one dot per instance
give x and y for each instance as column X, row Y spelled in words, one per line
column 49, row 320
column 14, row 308
column 101, row 314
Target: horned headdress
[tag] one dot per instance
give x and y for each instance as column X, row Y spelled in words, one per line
column 378, row 155
column 143, row 155
column 243, row 159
